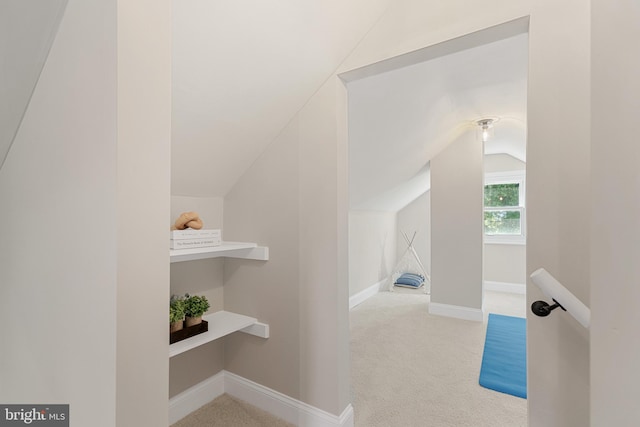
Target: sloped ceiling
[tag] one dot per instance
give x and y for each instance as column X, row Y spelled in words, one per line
column 27, row 31
column 399, row 120
column 242, row 70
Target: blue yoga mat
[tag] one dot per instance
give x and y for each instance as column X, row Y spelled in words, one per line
column 504, row 361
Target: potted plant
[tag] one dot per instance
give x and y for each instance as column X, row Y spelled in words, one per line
column 194, row 307
column 176, row 313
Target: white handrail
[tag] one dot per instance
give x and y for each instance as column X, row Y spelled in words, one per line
column 561, row 296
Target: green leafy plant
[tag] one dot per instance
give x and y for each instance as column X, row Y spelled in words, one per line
column 195, row 306
column 176, row 309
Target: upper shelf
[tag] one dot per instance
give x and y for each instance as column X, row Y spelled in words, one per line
column 226, row 249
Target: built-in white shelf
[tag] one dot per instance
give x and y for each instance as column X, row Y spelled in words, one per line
column 226, row 249
column 221, row 323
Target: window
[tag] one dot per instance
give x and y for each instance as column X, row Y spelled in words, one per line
column 504, row 208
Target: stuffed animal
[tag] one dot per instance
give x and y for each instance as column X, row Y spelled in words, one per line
column 188, row 220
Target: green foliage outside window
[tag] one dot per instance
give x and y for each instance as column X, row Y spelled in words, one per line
column 502, row 195
column 502, row 221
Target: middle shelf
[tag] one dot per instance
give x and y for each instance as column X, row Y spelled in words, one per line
column 221, row 323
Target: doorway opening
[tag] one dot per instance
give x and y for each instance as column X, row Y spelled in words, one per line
column 417, row 165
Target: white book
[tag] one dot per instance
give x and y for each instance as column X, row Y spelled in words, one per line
column 190, row 233
column 194, row 243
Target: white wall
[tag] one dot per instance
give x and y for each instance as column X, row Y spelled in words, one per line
column 58, row 270
column 324, row 296
column 89, row 259
column 416, row 217
column 505, row 264
column 456, row 225
column 293, row 199
column 502, row 163
column 372, row 248
column 615, row 227
column 143, row 198
column 263, row 208
column 558, row 189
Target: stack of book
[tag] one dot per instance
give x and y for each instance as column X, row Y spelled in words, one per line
column 190, row 238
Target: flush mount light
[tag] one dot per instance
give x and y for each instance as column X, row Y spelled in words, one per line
column 486, row 125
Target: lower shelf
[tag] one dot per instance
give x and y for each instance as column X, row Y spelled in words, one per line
column 221, row 323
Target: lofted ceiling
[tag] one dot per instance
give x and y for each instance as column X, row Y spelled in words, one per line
column 242, row 70
column 399, row 120
column 27, row 31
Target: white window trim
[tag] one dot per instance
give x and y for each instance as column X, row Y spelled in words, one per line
column 509, row 177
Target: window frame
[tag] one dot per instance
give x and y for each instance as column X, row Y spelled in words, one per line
column 510, row 177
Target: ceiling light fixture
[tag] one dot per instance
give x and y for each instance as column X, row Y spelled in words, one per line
column 485, row 125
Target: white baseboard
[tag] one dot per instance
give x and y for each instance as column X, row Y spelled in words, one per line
column 276, row 403
column 196, row 397
column 283, row 406
column 364, row 295
column 512, row 288
column 459, row 312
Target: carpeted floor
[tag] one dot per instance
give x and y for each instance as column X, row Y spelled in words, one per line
column 409, row 369
column 227, row 411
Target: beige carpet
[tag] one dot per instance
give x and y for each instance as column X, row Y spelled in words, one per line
column 227, row 411
column 410, row 368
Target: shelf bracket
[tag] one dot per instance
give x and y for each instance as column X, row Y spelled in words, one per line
column 258, row 329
